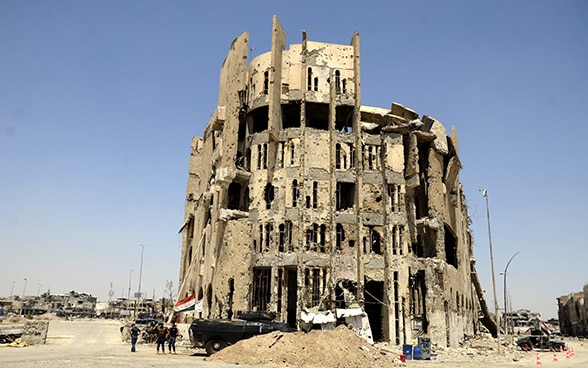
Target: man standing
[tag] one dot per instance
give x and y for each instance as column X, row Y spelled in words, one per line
column 162, row 334
column 173, row 334
column 134, row 336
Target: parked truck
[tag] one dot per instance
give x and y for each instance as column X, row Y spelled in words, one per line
column 215, row 335
column 540, row 338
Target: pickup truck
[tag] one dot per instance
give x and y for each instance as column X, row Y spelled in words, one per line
column 215, row 335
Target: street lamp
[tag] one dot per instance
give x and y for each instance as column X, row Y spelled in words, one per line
column 140, row 271
column 129, row 293
column 24, row 290
column 505, row 298
column 485, row 195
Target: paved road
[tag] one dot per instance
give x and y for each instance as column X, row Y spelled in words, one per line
column 97, row 344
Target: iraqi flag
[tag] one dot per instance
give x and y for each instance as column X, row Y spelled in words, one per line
column 188, row 303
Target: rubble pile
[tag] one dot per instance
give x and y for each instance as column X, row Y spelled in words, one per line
column 340, row 348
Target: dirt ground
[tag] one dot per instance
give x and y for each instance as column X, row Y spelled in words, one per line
column 98, row 343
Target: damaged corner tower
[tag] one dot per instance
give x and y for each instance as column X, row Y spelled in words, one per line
column 301, row 199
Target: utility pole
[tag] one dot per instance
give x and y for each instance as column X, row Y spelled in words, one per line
column 130, row 275
column 140, row 271
column 24, row 290
column 505, row 298
column 485, row 195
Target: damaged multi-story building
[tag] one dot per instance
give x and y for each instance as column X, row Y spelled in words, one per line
column 573, row 313
column 301, row 199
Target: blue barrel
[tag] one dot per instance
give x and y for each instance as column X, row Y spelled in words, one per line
column 416, row 353
column 407, row 350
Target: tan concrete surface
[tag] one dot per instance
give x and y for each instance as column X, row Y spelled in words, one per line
column 97, row 343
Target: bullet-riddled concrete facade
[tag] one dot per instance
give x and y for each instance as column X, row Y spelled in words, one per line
column 301, row 199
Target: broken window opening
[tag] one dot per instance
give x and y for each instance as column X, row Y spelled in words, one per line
column 340, row 237
column 421, row 199
column 309, row 79
column 307, row 201
column 269, row 195
column 314, row 194
column 345, row 293
column 280, row 282
column 282, row 237
column 295, row 193
column 290, row 246
column 315, row 284
column 372, row 242
column 269, row 228
column 258, row 120
column 337, row 82
column 203, row 246
column 426, row 242
column 291, row 115
column 311, row 238
column 397, row 239
column 261, row 291
column 317, row 115
column 265, row 82
column 234, row 196
column 375, row 241
column 337, row 156
column 323, row 238
column 371, row 157
column 396, row 310
column 258, row 157
column 450, row 247
column 316, row 295
column 264, row 156
column 292, row 295
column 292, row 155
column 344, row 82
column 394, row 195
column 345, row 196
column 351, row 155
column 457, row 301
column 344, row 118
column 418, row 308
column 316, row 84
column 242, row 125
column 260, row 238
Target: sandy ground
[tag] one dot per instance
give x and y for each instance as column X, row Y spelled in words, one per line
column 97, row 343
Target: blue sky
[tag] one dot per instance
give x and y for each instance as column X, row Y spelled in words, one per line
column 99, row 101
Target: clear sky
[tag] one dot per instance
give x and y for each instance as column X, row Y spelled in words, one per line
column 99, row 101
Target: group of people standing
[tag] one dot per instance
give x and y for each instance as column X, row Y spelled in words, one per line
column 163, row 335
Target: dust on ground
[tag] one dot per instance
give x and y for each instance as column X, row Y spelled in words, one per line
column 342, row 348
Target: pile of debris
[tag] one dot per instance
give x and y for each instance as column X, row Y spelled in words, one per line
column 340, row 348
column 24, row 332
